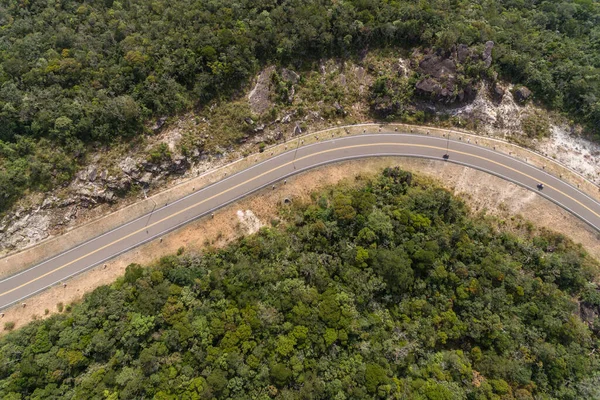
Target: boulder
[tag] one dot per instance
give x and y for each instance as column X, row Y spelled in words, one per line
column 129, row 166
column 85, row 192
column 429, row 85
column 67, row 202
column 289, row 76
column 440, row 82
column 121, row 186
column 437, row 66
column 159, row 124
column 146, row 178
column 81, row 175
column 108, row 196
column 92, row 173
column 522, row 94
column 49, row 202
column 90, row 196
column 487, row 53
column 179, row 165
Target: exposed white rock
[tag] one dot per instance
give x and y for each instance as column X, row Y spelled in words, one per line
column 497, row 119
column 25, row 231
column 249, row 222
column 574, row 151
column 259, row 95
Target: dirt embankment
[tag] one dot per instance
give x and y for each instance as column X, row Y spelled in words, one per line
column 511, row 204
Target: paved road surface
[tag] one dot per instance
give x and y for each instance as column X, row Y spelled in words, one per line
column 166, row 218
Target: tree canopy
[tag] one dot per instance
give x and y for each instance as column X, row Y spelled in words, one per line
column 74, row 73
column 411, row 298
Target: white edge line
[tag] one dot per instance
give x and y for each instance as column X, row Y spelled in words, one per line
column 298, row 138
column 346, row 137
column 198, row 192
column 286, row 176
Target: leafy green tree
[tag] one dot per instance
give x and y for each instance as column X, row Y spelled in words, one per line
column 439, row 305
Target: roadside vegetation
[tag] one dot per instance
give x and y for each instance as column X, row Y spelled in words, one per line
column 77, row 76
column 386, row 290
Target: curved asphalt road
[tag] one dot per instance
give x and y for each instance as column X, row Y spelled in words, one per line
column 150, row 227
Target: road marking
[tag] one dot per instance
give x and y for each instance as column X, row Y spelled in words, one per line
column 274, row 169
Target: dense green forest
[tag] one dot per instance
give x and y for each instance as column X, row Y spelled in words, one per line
column 78, row 73
column 387, row 290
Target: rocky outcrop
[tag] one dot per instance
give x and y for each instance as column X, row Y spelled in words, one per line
column 442, row 78
column 88, row 174
column 487, row 54
column 522, row 94
column 159, row 124
column 289, row 76
column 589, row 313
column 92, row 187
column 439, row 82
column 498, row 92
column 259, row 96
column 129, row 167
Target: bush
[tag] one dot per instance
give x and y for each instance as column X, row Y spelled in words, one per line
column 436, row 305
column 159, row 153
column 536, row 126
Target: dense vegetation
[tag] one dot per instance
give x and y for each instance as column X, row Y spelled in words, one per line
column 388, row 291
column 74, row 73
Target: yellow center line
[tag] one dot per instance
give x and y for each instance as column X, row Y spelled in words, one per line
column 268, row 172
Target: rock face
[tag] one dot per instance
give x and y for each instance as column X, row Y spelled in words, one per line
column 495, row 111
column 28, row 230
column 91, row 188
column 259, row 95
column 442, row 79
